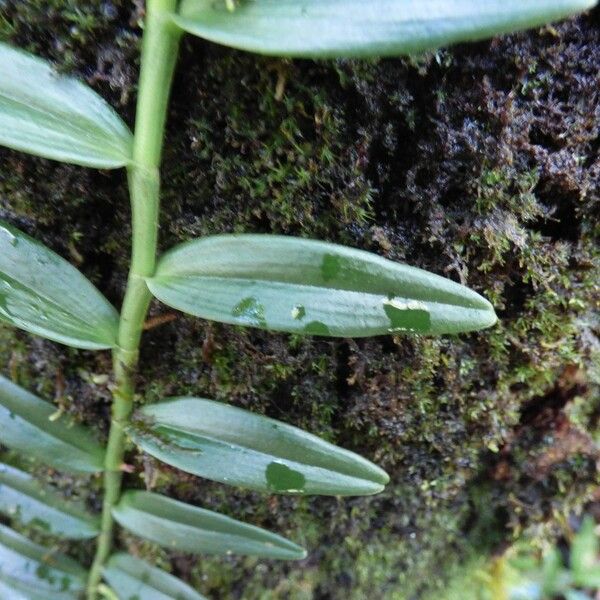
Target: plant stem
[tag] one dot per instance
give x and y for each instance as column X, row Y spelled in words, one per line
column 160, row 47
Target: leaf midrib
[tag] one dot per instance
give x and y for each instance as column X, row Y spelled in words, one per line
column 95, row 132
column 165, row 279
column 254, row 451
column 85, row 325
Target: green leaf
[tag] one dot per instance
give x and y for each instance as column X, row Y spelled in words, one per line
column 552, row 572
column 336, row 28
column 31, row 503
column 311, row 287
column 585, row 554
column 237, row 447
column 45, row 295
column 575, row 595
column 134, row 578
column 49, row 115
column 32, row 572
column 186, row 528
column 26, row 426
column 590, row 579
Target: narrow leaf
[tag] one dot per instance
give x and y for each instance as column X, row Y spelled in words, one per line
column 45, row 295
column 134, row 578
column 25, row 425
column 186, row 528
column 575, row 595
column 31, row 503
column 332, row 28
column 311, row 287
column 36, row 573
column 585, row 552
column 44, row 113
column 237, row 447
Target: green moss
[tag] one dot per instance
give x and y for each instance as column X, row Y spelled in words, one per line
column 445, row 162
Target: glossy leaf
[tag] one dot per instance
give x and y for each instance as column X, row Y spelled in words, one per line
column 45, row 295
column 25, row 425
column 131, row 577
column 237, row 447
column 186, row 528
column 46, row 114
column 311, row 287
column 332, row 28
column 33, row 572
column 22, row 497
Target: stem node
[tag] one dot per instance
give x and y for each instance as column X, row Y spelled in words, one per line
column 159, row 54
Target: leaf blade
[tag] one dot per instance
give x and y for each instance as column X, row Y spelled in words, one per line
column 57, row 117
column 584, row 553
column 31, row 503
column 36, row 572
column 351, row 28
column 133, row 577
column 26, row 426
column 178, row 526
column 45, row 295
column 310, row 287
column 234, row 446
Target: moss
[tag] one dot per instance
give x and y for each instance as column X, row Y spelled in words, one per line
column 479, row 163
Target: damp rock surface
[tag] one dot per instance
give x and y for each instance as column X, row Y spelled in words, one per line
column 479, row 163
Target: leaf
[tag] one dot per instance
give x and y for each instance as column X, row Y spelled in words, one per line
column 134, row 578
column 237, row 447
column 337, row 28
column 25, row 425
column 552, row 572
column 45, row 295
column 57, row 117
column 311, row 287
column 33, row 572
column 575, row 595
column 585, row 550
column 31, row 503
column 185, row 528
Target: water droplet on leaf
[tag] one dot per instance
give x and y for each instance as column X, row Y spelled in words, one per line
column 250, row 311
column 298, row 312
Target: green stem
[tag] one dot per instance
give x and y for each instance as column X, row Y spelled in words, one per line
column 160, row 47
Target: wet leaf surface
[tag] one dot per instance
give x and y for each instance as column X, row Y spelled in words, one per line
column 45, row 295
column 237, row 447
column 311, row 287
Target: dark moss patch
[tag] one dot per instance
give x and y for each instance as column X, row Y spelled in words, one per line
column 479, row 163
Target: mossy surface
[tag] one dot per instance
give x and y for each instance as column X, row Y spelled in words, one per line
column 479, row 163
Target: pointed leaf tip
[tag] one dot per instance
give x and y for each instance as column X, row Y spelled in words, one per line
column 347, row 28
column 186, row 528
column 311, row 287
column 237, row 447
